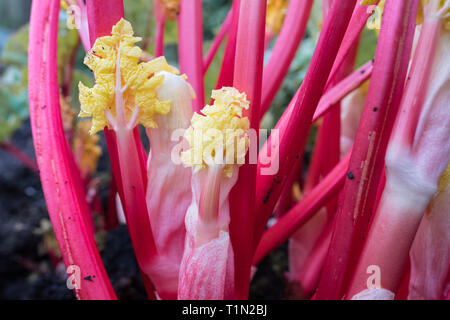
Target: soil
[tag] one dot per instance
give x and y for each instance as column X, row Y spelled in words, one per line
column 28, row 272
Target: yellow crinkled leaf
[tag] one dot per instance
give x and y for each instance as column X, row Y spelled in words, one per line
column 221, row 128
column 138, row 78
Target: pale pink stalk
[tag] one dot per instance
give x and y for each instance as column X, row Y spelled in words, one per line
column 293, row 140
column 66, row 203
column 430, row 252
column 283, row 53
column 217, row 42
column 190, row 47
column 169, row 189
column 418, row 153
column 247, row 78
column 207, row 268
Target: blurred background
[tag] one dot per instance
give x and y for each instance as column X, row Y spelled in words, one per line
column 30, row 265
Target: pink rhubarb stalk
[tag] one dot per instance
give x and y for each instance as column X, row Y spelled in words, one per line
column 66, row 203
column 190, row 47
column 418, row 153
column 367, row 161
column 169, row 189
column 430, row 258
column 207, row 269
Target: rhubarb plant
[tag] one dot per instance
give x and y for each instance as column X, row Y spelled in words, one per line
column 208, row 201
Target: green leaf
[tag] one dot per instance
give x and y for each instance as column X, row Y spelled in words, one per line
column 15, row 51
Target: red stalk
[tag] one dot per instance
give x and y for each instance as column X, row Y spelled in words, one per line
column 288, row 41
column 366, row 164
column 248, row 79
column 190, row 47
column 303, row 211
column 295, row 133
column 66, row 203
column 226, row 74
column 19, row 155
column 217, row 42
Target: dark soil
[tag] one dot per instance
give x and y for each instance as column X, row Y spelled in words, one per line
column 28, row 272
